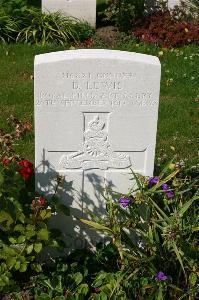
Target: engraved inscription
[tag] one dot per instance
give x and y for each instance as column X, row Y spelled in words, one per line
column 109, row 76
column 97, row 85
column 96, row 151
column 114, row 99
column 97, row 89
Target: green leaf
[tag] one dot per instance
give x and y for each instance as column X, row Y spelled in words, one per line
column 99, row 280
column 19, row 228
column 160, row 211
column 45, row 214
column 97, row 226
column 160, row 296
column 102, row 296
column 5, row 278
column 30, row 227
column 5, row 217
column 29, row 249
column 186, row 206
column 36, row 267
column 11, row 261
column 17, row 265
column 138, row 182
column 78, row 277
column 62, row 267
column 21, row 217
column 83, row 289
column 1, row 179
column 179, row 257
column 21, row 239
column 38, row 247
column 43, row 234
column 23, row 267
column 192, row 278
column 195, row 229
column 43, row 296
column 12, row 240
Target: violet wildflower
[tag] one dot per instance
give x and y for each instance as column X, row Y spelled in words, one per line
column 153, row 181
column 170, row 194
column 125, row 202
column 165, row 186
column 161, row 276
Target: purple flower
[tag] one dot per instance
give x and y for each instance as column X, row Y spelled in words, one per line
column 161, row 276
column 153, row 181
column 170, row 194
column 125, row 201
column 165, row 186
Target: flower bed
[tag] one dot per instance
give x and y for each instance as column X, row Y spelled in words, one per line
column 164, row 30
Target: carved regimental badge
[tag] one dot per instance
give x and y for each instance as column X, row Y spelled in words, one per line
column 96, row 151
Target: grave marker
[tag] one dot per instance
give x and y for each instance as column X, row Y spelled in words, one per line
column 95, row 118
column 173, row 3
column 80, row 9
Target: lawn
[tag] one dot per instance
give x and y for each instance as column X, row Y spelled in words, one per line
column 179, row 97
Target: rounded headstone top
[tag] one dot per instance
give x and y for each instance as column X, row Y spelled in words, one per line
column 95, row 54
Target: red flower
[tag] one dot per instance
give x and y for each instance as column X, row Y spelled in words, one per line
column 27, row 169
column 39, row 201
column 25, row 163
column 5, row 161
column 42, row 201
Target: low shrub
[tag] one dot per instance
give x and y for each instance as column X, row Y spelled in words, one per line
column 13, row 8
column 164, row 30
column 9, row 28
column 123, row 13
column 54, row 28
column 23, row 215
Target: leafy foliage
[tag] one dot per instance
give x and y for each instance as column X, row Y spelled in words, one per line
column 156, row 237
column 13, row 7
column 164, row 30
column 9, row 28
column 23, row 217
column 123, row 13
column 41, row 28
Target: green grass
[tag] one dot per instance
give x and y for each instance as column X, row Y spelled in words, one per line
column 178, row 112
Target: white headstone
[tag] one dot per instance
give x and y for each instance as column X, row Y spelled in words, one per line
column 173, row 3
column 95, row 118
column 81, row 9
